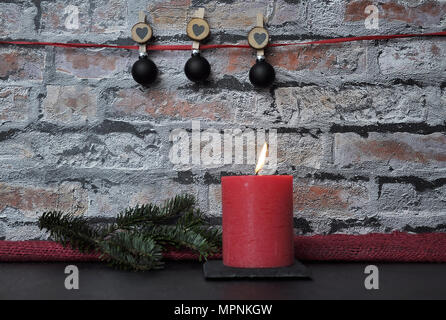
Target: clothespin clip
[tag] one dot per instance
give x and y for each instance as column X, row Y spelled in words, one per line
column 197, row 29
column 142, row 33
column 258, row 37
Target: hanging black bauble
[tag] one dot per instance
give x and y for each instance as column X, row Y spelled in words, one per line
column 262, row 74
column 197, row 68
column 144, row 71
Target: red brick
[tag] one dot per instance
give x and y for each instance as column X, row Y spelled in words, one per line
column 21, row 64
column 237, row 60
column 235, row 16
column 70, row 104
column 398, row 150
column 330, row 58
column 329, row 197
column 427, row 14
column 90, row 65
column 33, row 199
column 174, row 14
column 169, row 14
column 14, row 104
column 160, row 104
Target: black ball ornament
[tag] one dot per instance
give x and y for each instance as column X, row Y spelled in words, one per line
column 144, row 71
column 197, row 68
column 262, row 74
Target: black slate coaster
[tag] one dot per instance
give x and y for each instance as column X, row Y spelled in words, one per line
column 215, row 269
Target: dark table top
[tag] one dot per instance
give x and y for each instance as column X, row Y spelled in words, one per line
column 184, row 280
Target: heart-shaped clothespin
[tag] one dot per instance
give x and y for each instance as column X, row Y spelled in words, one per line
column 262, row 74
column 144, row 71
column 142, row 32
column 198, row 29
column 197, row 68
column 258, row 37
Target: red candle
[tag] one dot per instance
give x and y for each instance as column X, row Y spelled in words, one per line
column 257, row 221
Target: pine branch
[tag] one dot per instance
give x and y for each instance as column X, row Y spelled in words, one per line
column 135, row 216
column 181, row 238
column 191, row 218
column 212, row 234
column 136, row 239
column 177, row 205
column 131, row 251
column 195, row 221
column 149, row 214
column 69, row 229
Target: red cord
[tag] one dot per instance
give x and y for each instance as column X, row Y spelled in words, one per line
column 219, row 46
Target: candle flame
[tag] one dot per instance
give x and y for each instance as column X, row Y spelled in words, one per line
column 262, row 158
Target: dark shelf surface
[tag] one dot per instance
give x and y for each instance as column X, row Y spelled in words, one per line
column 185, row 281
column 215, row 269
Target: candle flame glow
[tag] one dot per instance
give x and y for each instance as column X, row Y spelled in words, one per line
column 262, row 158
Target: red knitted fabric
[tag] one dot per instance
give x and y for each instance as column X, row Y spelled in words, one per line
column 27, row 251
column 395, row 247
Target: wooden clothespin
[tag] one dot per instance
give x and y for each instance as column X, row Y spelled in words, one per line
column 142, row 33
column 258, row 37
column 197, row 29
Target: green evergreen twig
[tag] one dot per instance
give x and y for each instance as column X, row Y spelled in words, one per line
column 139, row 235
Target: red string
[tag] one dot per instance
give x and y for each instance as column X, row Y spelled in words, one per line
column 220, row 46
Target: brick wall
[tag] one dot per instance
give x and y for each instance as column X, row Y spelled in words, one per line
column 361, row 126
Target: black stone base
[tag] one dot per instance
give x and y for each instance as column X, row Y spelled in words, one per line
column 215, row 269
